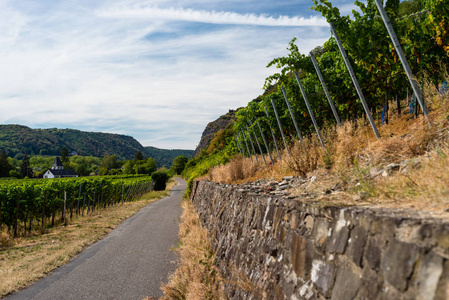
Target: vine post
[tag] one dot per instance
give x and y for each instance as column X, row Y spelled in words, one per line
column 312, row 115
column 354, row 81
column 323, row 84
column 280, row 126
column 400, row 52
column 272, row 135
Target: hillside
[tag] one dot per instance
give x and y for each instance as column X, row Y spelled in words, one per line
column 165, row 157
column 213, row 127
column 16, row 140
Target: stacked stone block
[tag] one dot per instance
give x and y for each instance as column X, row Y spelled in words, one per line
column 273, row 246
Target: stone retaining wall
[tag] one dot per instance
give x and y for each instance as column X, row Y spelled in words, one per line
column 272, row 246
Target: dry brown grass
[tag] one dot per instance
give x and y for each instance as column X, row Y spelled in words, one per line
column 27, row 259
column 196, row 276
column 352, row 151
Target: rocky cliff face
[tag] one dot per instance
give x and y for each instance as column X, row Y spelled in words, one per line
column 212, row 128
column 270, row 245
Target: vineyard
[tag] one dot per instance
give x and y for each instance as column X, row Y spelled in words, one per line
column 27, row 205
column 356, row 75
column 424, row 36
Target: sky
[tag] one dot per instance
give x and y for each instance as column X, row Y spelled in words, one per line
column 158, row 71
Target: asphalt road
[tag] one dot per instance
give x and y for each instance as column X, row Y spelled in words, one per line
column 130, row 263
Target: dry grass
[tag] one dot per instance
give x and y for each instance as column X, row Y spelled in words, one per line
column 352, row 153
column 26, row 259
column 196, row 276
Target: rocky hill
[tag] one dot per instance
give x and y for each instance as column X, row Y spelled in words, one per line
column 213, row 127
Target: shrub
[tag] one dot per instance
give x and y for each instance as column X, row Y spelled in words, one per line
column 160, row 179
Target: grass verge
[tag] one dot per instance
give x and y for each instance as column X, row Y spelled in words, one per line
column 196, row 276
column 24, row 260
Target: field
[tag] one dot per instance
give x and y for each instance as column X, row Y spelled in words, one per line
column 31, row 256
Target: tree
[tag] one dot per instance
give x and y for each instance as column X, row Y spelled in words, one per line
column 82, row 169
column 138, row 156
column 25, row 169
column 64, row 155
column 146, row 166
column 128, row 167
column 109, row 162
column 179, row 164
column 5, row 167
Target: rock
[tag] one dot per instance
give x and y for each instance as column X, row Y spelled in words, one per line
column 374, row 172
column 287, row 178
column 283, row 187
column 347, row 284
column 429, row 275
column 337, row 187
column 393, row 167
column 397, row 263
column 322, row 276
column 313, row 179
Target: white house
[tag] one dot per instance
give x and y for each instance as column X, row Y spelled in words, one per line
column 57, row 170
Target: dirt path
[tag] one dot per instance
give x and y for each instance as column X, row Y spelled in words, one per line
column 130, row 263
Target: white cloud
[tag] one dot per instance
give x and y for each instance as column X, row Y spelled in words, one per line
column 213, row 17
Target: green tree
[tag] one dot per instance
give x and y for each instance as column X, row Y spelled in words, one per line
column 82, row 169
column 64, row 155
column 146, row 166
column 5, row 167
column 179, row 164
column 109, row 162
column 128, row 167
column 138, row 156
column 25, row 169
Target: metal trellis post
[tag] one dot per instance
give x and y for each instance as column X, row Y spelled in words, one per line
column 264, row 141
column 272, row 135
column 323, row 84
column 247, row 147
column 312, row 115
column 258, row 144
column 240, row 142
column 355, row 82
column 280, row 126
column 291, row 114
column 402, row 57
column 238, row 146
column 252, row 144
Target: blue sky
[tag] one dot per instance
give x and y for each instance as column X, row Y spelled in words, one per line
column 155, row 70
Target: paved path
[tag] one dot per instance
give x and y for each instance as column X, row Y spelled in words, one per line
column 130, row 263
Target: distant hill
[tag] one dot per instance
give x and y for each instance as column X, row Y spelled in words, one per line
column 16, row 140
column 165, row 157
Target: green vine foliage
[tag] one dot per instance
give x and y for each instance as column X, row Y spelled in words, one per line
column 31, row 201
column 423, row 33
